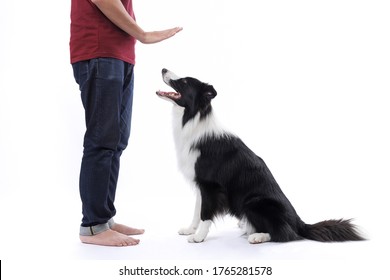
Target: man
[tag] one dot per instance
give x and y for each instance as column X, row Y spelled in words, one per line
column 102, row 41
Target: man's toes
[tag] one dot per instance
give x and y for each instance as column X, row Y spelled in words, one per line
column 132, row 241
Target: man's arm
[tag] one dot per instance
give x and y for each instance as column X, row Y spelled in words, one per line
column 116, row 12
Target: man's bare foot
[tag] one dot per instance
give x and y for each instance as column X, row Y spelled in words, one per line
column 126, row 230
column 109, row 238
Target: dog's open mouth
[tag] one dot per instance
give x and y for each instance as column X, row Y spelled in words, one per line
column 169, row 94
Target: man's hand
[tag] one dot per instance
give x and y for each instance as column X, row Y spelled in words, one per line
column 116, row 12
column 158, row 36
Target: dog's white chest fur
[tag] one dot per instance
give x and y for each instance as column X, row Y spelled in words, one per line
column 188, row 135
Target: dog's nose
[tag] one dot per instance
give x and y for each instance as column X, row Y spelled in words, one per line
column 164, row 71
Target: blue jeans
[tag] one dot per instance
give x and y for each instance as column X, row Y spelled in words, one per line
column 106, row 87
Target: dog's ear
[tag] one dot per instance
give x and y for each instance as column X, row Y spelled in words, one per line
column 210, row 92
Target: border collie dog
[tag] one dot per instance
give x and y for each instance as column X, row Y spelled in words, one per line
column 231, row 179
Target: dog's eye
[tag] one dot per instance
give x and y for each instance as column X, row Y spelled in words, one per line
column 185, row 81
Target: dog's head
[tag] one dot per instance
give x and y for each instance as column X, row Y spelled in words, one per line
column 189, row 93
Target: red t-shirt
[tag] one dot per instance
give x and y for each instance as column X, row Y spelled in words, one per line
column 93, row 35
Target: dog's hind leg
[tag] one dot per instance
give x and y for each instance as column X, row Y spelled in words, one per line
column 271, row 221
column 196, row 218
column 256, row 238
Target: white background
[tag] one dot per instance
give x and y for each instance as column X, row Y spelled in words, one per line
column 304, row 83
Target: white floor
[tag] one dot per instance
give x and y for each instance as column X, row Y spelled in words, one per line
column 42, row 237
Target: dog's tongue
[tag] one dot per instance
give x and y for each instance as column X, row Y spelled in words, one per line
column 164, row 93
column 170, row 94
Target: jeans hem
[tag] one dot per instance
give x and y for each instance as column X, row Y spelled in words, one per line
column 93, row 230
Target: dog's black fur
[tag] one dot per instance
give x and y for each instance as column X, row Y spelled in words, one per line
column 233, row 180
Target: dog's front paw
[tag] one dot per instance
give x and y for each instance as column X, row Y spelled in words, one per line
column 187, row 231
column 196, row 238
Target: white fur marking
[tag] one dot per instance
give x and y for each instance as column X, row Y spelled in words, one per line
column 196, row 219
column 257, row 238
column 246, row 226
column 170, row 76
column 185, row 137
column 201, row 233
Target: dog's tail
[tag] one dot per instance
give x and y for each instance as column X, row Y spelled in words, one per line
column 332, row 231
